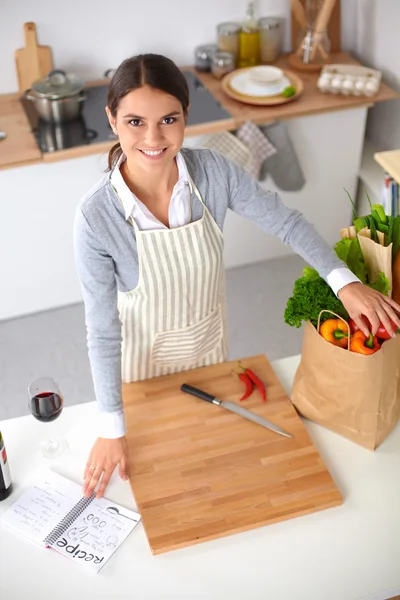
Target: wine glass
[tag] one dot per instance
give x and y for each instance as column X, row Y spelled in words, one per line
column 45, row 404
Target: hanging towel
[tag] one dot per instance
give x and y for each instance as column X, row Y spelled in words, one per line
column 258, row 143
column 228, row 145
column 283, row 166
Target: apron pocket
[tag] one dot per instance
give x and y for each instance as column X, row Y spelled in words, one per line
column 190, row 344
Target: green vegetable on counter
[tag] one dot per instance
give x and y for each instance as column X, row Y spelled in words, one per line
column 289, row 91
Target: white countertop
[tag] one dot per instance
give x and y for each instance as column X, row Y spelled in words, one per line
column 350, row 552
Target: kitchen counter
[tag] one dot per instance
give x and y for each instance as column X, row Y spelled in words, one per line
column 20, row 148
column 344, row 553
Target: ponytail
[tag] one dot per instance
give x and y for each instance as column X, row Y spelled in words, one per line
column 113, row 156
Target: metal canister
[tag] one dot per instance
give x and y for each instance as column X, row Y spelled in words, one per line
column 222, row 63
column 203, row 56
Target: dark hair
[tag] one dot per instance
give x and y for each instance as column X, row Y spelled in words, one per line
column 154, row 70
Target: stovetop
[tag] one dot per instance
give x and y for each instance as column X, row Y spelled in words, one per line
column 93, row 127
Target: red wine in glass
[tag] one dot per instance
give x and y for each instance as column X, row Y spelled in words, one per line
column 45, row 404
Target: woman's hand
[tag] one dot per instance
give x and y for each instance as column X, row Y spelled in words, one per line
column 359, row 299
column 105, row 455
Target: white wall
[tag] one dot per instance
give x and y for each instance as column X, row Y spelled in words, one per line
column 376, row 42
column 89, row 36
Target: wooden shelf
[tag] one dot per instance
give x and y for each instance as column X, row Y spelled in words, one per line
column 390, row 162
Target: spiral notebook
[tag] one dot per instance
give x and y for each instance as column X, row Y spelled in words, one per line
column 54, row 514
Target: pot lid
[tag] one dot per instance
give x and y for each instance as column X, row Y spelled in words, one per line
column 58, row 84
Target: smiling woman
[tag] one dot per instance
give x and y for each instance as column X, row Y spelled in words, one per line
column 149, row 94
column 149, row 250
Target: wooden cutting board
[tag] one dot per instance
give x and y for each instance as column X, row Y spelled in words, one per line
column 200, row 472
column 32, row 62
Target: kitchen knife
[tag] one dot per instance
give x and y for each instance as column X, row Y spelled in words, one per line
column 239, row 410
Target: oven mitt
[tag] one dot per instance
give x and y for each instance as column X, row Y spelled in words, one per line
column 258, row 144
column 283, row 166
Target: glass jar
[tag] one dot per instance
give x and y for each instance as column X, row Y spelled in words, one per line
column 222, row 63
column 271, row 34
column 228, row 38
column 203, row 56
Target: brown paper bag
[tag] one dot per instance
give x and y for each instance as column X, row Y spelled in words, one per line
column 377, row 257
column 355, row 395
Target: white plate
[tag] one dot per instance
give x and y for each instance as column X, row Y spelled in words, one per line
column 242, row 84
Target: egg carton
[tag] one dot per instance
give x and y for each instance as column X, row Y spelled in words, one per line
column 350, row 80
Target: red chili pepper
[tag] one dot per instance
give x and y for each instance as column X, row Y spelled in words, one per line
column 261, row 387
column 249, row 385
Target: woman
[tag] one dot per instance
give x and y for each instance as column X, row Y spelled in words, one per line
column 148, row 244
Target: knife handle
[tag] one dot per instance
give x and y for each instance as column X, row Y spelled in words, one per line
column 189, row 389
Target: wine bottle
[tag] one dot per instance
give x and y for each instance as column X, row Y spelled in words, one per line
column 5, row 476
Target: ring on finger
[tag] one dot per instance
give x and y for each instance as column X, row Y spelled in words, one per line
column 92, row 467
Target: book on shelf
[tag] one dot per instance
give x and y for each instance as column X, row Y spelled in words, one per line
column 390, row 196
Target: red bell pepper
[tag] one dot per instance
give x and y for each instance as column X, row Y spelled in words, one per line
column 381, row 334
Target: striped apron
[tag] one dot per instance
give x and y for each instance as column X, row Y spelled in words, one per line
column 175, row 318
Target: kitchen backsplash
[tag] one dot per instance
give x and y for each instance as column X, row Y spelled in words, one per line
column 89, row 37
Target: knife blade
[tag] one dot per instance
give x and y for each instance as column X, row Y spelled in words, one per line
column 239, row 410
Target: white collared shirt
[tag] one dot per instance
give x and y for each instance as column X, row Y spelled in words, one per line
column 112, row 425
column 179, row 206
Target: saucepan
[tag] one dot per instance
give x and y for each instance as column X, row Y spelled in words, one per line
column 58, row 98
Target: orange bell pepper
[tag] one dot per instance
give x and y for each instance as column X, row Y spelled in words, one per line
column 363, row 344
column 335, row 331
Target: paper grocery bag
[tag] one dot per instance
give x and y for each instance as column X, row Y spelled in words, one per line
column 377, row 257
column 352, row 394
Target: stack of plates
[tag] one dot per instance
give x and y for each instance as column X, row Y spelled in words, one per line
column 261, row 85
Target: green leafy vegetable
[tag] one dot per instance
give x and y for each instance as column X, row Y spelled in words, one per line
column 379, row 214
column 381, row 284
column 349, row 252
column 355, row 215
column 361, row 222
column 311, row 294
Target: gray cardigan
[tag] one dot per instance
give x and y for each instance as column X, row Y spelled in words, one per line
column 107, row 261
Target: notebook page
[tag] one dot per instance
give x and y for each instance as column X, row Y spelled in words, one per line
column 42, row 506
column 96, row 534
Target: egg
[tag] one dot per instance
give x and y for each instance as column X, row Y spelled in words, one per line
column 347, row 86
column 323, row 83
column 336, row 84
column 371, row 87
column 359, row 87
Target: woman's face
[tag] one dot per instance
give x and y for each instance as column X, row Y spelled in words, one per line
column 150, row 126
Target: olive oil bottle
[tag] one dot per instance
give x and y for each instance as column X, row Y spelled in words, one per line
column 249, row 40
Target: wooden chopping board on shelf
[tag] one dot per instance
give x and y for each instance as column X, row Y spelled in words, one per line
column 200, row 472
column 32, row 62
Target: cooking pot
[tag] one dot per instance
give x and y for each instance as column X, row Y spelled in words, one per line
column 58, row 98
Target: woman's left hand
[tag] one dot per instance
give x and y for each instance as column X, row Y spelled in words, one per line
column 359, row 299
